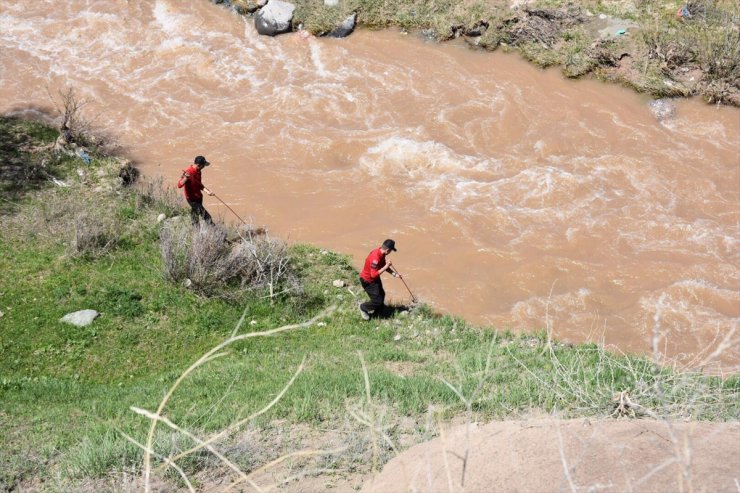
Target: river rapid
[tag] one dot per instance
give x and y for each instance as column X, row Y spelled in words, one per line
column 517, row 198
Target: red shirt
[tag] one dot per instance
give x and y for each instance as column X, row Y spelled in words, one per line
column 193, row 185
column 373, row 262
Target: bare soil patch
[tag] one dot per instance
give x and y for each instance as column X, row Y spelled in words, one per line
column 574, row 455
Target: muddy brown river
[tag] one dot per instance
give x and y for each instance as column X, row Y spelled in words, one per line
column 517, row 198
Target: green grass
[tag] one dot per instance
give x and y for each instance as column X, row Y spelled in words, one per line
column 65, row 392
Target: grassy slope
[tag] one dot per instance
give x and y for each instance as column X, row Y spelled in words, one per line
column 65, row 391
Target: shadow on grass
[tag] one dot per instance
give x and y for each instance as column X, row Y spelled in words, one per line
column 22, row 166
column 390, row 311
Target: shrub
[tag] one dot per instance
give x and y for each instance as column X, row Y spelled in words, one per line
column 74, row 126
column 203, row 257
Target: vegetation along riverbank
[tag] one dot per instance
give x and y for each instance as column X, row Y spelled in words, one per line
column 664, row 49
column 78, row 233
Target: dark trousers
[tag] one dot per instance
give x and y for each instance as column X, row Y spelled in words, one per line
column 197, row 211
column 376, row 293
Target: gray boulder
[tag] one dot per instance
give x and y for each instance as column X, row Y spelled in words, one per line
column 274, row 18
column 81, row 318
column 345, row 28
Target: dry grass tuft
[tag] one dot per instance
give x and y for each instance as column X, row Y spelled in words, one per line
column 94, row 234
column 156, row 193
column 206, row 260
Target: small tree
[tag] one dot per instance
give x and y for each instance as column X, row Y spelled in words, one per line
column 73, row 126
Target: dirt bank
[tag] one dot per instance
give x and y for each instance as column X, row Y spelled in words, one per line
column 575, row 455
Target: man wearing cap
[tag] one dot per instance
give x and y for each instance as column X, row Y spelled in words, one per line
column 191, row 183
column 375, row 265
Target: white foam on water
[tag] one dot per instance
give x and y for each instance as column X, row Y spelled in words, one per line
column 169, row 21
column 570, row 308
column 693, row 314
column 316, row 59
column 417, row 159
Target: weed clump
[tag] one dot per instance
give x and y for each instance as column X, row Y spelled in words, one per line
column 706, row 39
column 94, row 234
column 207, row 261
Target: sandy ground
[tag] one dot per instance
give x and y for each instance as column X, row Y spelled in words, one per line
column 570, row 456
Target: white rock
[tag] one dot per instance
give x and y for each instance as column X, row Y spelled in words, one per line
column 187, row 283
column 253, row 322
column 602, row 16
column 161, row 217
column 338, row 283
column 397, row 337
column 1, row 314
column 81, row 318
column 274, row 18
column 331, row 3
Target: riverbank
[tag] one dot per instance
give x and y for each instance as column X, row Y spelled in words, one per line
column 675, row 49
column 75, row 237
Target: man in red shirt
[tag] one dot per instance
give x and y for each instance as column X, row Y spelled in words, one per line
column 375, row 265
column 191, row 183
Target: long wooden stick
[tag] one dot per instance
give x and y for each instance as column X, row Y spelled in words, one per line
column 232, row 210
column 413, row 298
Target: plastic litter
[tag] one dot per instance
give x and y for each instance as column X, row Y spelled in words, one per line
column 621, row 32
column 85, row 157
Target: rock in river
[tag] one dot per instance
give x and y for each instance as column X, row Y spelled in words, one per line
column 274, row 18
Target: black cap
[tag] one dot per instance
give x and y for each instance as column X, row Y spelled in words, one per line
column 390, row 245
column 200, row 160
